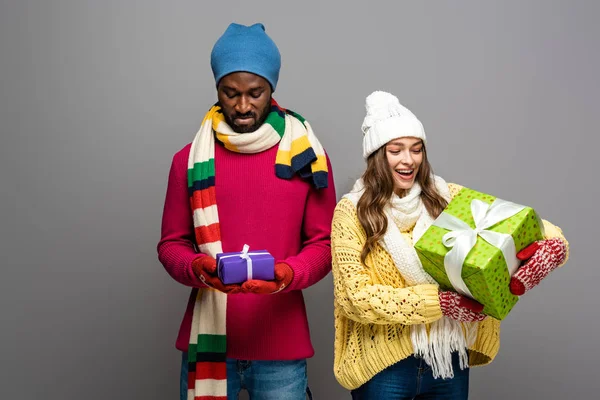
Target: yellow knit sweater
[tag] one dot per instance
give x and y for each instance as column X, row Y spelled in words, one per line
column 373, row 307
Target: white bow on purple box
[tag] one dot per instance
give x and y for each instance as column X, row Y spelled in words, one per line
column 238, row 267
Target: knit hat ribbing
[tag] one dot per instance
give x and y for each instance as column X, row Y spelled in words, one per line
column 386, row 120
column 246, row 49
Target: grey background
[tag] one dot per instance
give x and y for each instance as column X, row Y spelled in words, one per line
column 96, row 96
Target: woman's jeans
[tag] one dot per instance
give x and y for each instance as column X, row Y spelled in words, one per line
column 264, row 380
column 412, row 378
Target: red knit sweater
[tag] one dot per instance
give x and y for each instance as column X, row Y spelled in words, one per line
column 289, row 218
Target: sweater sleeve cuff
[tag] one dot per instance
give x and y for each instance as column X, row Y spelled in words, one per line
column 432, row 310
column 297, row 272
column 307, row 274
column 180, row 265
column 552, row 231
column 193, row 279
column 487, row 344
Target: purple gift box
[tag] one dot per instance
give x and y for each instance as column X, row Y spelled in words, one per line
column 240, row 266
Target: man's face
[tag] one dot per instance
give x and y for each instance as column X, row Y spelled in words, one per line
column 245, row 99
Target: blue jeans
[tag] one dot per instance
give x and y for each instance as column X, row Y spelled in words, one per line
column 412, row 378
column 264, row 380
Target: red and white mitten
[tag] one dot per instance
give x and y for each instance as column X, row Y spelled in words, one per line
column 542, row 257
column 460, row 308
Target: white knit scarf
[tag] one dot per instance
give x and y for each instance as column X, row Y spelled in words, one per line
column 445, row 335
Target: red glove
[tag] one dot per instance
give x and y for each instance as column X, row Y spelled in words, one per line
column 543, row 256
column 205, row 268
column 460, row 308
column 283, row 277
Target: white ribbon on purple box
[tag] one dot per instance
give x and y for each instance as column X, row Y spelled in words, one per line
column 245, row 254
column 462, row 238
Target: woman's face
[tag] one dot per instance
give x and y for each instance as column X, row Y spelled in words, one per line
column 404, row 156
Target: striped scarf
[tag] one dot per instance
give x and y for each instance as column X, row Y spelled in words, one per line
column 299, row 152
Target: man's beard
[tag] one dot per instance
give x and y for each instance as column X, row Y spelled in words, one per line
column 229, row 119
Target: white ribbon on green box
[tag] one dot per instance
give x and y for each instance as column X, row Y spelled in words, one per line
column 462, row 238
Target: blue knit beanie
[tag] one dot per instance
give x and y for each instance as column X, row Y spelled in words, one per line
column 246, row 49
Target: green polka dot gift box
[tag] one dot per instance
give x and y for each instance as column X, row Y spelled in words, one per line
column 471, row 247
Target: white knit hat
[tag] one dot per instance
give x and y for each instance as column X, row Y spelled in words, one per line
column 387, row 119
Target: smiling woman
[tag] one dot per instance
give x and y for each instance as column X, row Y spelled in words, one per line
column 394, row 146
column 398, row 334
column 404, row 156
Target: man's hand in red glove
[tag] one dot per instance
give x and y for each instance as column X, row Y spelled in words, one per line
column 542, row 257
column 460, row 308
column 283, row 277
column 205, row 268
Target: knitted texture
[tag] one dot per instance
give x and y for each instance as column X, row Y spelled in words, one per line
column 374, row 306
column 283, row 276
column 439, row 340
column 542, row 257
column 294, row 225
column 248, row 49
column 205, row 268
column 460, row 308
column 386, row 119
column 299, row 152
